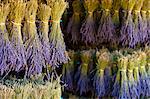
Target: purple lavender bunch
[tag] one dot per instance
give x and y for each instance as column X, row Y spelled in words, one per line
column 106, row 30
column 68, row 71
column 83, row 81
column 120, row 88
column 131, row 80
column 74, row 24
column 88, row 28
column 99, row 79
column 148, row 26
column 116, row 20
column 145, row 88
column 138, row 22
column 108, row 80
column 44, row 12
column 145, row 12
column 137, row 76
column 34, row 51
column 15, row 16
column 100, row 84
column 57, row 45
column 128, row 37
column 35, row 59
column 8, row 55
column 144, row 34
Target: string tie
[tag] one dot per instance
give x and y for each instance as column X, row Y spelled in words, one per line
column 107, row 10
column 19, row 24
column 138, row 11
column 122, row 70
column 2, row 23
column 143, row 11
column 30, row 21
column 130, row 70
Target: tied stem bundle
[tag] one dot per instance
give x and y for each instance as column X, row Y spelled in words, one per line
column 35, row 59
column 138, row 34
column 103, row 59
column 74, row 24
column 127, row 25
column 147, row 51
column 148, row 21
column 16, row 15
column 44, row 12
column 116, row 20
column 145, row 88
column 57, row 45
column 136, row 74
column 144, row 10
column 115, row 17
column 83, row 80
column 131, row 80
column 120, row 88
column 8, row 55
column 88, row 28
column 68, row 71
column 106, row 29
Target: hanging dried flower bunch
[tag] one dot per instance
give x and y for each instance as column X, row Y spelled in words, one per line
column 15, row 17
column 88, row 28
column 35, row 58
column 57, row 44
